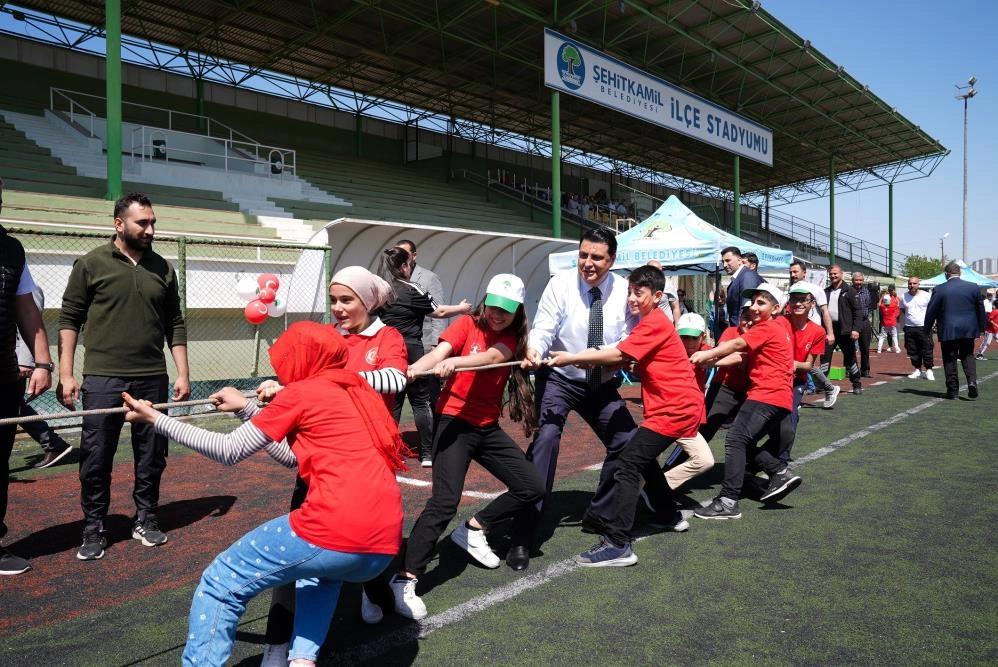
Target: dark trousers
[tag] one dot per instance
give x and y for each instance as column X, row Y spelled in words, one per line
column 11, row 395
column 641, row 451
column 456, row 444
column 844, row 341
column 420, row 392
column 918, row 345
column 41, row 432
column 865, row 336
column 607, row 415
column 782, row 437
column 754, row 421
column 962, row 350
column 99, row 442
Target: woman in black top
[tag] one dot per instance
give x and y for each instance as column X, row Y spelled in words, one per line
column 411, row 306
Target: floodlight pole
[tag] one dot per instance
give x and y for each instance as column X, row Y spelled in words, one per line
column 965, row 97
column 555, row 164
column 112, row 60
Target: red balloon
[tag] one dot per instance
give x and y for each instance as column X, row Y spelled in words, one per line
column 268, row 280
column 256, row 311
column 267, row 294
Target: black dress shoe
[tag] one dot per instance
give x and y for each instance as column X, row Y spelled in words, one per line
column 972, row 391
column 867, row 374
column 518, row 558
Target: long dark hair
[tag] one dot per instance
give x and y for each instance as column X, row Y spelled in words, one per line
column 520, row 403
column 392, row 261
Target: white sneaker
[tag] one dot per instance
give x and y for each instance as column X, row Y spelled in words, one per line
column 474, row 542
column 407, row 603
column 275, row 655
column 370, row 612
column 897, row 350
column 426, row 463
column 916, row 374
column 831, row 397
column 929, row 376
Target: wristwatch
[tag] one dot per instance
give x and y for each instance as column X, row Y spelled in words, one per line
column 45, row 366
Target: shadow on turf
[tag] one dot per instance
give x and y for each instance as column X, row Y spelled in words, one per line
column 929, row 393
column 66, row 536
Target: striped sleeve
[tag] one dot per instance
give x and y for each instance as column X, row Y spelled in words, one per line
column 225, row 448
column 385, row 380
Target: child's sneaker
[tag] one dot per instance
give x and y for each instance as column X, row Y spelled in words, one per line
column 780, row 485
column 474, row 542
column 607, row 554
column 407, row 603
column 718, row 510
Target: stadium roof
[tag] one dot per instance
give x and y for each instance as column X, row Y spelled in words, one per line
column 482, row 60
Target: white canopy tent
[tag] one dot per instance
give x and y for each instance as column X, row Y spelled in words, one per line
column 464, row 259
column 684, row 244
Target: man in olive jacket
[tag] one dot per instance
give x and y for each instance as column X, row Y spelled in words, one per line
column 124, row 297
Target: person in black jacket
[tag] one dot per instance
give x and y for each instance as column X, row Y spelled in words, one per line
column 843, row 307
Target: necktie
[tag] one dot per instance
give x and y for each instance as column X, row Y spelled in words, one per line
column 594, row 376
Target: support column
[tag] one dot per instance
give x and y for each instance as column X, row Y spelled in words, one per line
column 890, row 229
column 738, row 196
column 831, row 210
column 199, row 100
column 555, row 164
column 358, row 126
column 112, row 28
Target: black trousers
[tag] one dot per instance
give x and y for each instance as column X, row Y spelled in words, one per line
column 754, row 421
column 99, row 442
column 641, row 451
column 844, row 341
column 456, row 443
column 11, row 395
column 865, row 336
column 918, row 345
column 962, row 350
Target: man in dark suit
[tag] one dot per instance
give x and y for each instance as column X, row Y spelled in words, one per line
column 742, row 278
column 844, row 308
column 957, row 308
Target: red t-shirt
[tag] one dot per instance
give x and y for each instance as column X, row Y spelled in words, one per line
column 701, row 371
column 673, row 404
column 889, row 312
column 353, row 503
column 807, row 341
column 383, row 349
column 474, row 396
column 734, row 377
column 770, row 363
column 993, row 321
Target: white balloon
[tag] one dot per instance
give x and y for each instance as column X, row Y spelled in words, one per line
column 246, row 288
column 277, row 308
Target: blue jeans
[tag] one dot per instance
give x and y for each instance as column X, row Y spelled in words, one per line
column 270, row 555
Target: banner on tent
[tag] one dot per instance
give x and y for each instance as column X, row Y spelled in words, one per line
column 579, row 70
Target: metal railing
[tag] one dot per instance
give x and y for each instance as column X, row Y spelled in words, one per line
column 231, row 152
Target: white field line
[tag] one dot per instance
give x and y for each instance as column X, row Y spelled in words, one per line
column 456, row 614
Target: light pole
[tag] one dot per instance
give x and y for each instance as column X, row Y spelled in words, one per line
column 965, row 96
column 942, row 250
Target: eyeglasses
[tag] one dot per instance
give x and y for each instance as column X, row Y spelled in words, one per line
column 798, row 298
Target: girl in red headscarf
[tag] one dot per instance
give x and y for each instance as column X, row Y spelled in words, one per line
column 350, row 524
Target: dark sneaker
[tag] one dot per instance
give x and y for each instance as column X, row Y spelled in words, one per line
column 607, row 554
column 972, row 391
column 857, row 389
column 780, row 485
column 717, row 510
column 92, row 547
column 53, row 457
column 148, row 531
column 11, row 564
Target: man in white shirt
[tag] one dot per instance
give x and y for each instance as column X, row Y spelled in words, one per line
column 917, row 343
column 819, row 315
column 579, row 310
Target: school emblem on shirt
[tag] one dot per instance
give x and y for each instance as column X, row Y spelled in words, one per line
column 372, row 356
column 475, row 349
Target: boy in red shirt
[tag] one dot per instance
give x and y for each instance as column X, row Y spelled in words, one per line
column 991, row 332
column 699, row 459
column 769, row 356
column 673, row 409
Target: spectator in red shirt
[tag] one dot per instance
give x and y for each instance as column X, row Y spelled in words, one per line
column 990, row 331
column 349, row 527
column 769, row 353
column 468, row 430
column 673, row 409
column 890, row 308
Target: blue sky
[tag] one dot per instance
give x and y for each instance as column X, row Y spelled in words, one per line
column 911, row 54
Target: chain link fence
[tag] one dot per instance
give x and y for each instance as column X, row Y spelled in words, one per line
column 224, row 349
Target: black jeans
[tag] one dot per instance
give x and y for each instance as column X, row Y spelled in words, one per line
column 918, row 345
column 962, row 350
column 754, row 420
column 99, row 442
column 641, row 450
column 456, row 444
column 11, row 395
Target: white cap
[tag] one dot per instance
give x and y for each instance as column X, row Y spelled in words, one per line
column 691, row 324
column 771, row 290
column 505, row 291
